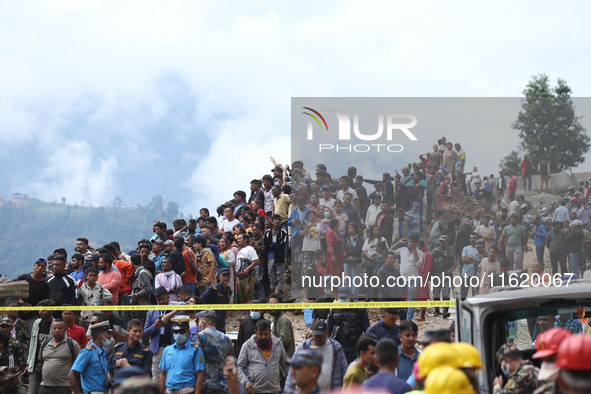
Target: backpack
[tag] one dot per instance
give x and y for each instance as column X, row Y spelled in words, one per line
column 70, row 342
column 349, row 330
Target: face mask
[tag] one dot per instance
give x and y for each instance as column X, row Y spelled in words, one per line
column 548, row 371
column 180, row 338
column 344, row 300
column 108, row 344
column 507, row 371
column 255, row 315
column 327, row 214
column 277, row 184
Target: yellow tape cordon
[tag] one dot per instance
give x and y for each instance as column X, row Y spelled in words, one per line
column 244, row 307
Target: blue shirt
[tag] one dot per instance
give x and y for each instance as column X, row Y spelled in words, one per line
column 405, row 364
column 92, row 368
column 297, row 214
column 560, row 214
column 158, row 260
column 540, row 237
column 381, row 330
column 77, row 275
column 388, row 382
column 416, row 225
column 468, row 251
column 181, row 364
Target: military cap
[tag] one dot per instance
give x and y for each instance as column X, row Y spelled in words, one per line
column 480, row 242
column 224, row 271
column 5, row 321
column 506, row 349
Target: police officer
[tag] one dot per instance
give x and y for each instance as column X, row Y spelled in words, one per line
column 219, row 293
column 347, row 325
column 131, row 352
column 90, row 370
column 181, row 363
column 216, row 346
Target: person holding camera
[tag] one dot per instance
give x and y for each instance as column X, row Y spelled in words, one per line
column 89, row 372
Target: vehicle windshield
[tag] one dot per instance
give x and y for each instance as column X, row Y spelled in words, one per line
column 523, row 327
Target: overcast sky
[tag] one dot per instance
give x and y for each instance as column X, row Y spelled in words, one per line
column 194, row 97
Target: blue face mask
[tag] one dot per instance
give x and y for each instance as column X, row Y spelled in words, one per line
column 277, row 184
column 255, row 315
column 180, row 338
column 327, row 214
column 344, row 300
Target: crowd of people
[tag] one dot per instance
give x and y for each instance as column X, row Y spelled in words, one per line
column 297, row 228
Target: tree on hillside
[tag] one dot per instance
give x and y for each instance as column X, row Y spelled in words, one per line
column 172, row 209
column 548, row 126
column 156, row 203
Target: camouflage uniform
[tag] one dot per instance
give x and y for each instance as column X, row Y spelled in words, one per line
column 18, row 350
column 547, row 388
column 524, row 380
column 216, row 347
column 21, row 333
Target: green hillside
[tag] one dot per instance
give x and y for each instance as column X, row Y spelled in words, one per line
column 32, row 228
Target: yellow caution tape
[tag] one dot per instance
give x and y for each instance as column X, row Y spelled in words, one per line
column 238, row 307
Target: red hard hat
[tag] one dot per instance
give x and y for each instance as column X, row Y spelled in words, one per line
column 547, row 344
column 573, row 353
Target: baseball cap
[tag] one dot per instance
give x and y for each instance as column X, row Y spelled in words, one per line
column 480, row 242
column 416, row 204
column 319, row 328
column 443, row 238
column 40, row 260
column 5, row 321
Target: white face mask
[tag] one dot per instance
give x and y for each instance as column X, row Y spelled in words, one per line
column 548, row 371
column 108, row 344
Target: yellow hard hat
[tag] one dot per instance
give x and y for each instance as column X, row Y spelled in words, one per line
column 440, row 354
column 448, row 380
column 469, row 355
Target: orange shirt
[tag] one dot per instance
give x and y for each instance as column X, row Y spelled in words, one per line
column 126, row 270
column 188, row 276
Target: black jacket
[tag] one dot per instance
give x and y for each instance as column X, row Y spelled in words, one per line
column 178, row 261
column 62, row 289
column 278, row 247
column 352, row 247
column 386, row 228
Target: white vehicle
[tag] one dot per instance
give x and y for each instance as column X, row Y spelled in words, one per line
column 490, row 320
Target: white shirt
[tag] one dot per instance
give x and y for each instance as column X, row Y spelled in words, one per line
column 372, row 215
column 245, row 253
column 408, row 265
column 325, row 378
column 514, row 207
column 268, row 200
column 327, row 203
column 227, row 226
column 341, row 194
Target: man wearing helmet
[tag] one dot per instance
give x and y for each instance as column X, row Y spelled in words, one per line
column 547, row 349
column 573, row 360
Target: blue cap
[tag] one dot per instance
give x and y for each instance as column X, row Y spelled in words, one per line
column 344, row 291
column 122, row 374
column 40, row 260
column 306, row 357
column 224, row 271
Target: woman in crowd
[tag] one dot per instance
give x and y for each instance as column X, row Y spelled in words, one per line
column 334, row 254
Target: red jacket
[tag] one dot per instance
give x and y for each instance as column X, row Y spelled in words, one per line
column 524, row 165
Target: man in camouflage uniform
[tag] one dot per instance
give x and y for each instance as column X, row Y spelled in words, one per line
column 16, row 347
column 521, row 374
column 216, row 347
column 18, row 326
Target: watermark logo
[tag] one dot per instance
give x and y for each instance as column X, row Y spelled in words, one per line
column 344, row 130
